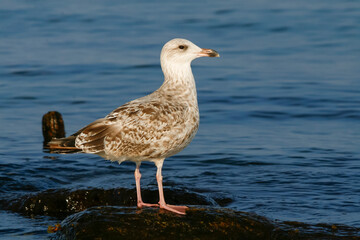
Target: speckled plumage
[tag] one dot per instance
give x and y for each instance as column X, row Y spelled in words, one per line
column 149, row 128
column 153, row 127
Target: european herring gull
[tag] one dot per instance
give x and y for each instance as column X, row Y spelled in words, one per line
column 153, row 127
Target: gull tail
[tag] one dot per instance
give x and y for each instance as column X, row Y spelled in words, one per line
column 54, row 134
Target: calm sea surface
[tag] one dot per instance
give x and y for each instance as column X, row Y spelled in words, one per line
column 280, row 110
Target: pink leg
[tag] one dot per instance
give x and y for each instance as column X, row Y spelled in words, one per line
column 140, row 203
column 171, row 208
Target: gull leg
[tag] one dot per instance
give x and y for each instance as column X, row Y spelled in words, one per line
column 140, row 203
column 176, row 209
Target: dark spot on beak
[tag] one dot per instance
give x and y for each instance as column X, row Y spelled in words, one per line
column 209, row 53
column 214, row 54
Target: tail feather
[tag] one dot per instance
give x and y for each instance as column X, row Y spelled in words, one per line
column 63, row 144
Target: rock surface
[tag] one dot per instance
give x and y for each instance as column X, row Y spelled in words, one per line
column 63, row 202
column 52, row 126
column 111, row 214
column 199, row 223
column 129, row 223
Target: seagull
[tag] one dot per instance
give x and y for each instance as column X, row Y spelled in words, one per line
column 151, row 128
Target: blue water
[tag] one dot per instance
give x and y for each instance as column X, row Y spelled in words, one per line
column 280, row 110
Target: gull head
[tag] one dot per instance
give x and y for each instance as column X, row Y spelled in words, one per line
column 181, row 51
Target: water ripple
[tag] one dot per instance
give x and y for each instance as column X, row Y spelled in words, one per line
column 31, row 73
column 234, row 161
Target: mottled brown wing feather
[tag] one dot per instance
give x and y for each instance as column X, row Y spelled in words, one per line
column 135, row 129
column 91, row 138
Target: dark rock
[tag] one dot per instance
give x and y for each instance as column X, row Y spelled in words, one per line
column 52, row 126
column 321, row 231
column 61, row 203
column 111, row 214
column 199, row 223
column 222, row 201
column 129, row 223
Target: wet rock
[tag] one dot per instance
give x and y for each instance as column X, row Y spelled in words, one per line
column 63, row 202
column 52, row 126
column 129, row 223
column 111, row 214
column 199, row 223
column 222, row 201
column 322, row 231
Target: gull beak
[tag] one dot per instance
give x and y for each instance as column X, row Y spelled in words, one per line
column 205, row 52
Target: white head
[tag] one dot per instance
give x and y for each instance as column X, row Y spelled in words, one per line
column 181, row 52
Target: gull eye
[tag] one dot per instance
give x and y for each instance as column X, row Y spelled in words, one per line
column 182, row 47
